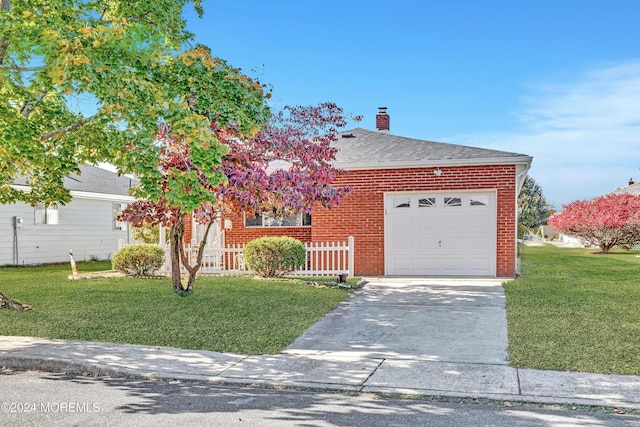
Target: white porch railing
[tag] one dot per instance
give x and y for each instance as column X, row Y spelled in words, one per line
column 323, row 259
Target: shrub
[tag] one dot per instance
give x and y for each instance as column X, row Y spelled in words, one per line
column 274, row 256
column 138, row 260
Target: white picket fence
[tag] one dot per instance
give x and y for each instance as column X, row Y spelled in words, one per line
column 323, row 259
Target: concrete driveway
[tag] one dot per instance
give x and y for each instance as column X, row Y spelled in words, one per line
column 431, row 319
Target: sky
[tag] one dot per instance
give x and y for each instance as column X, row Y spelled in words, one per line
column 558, row 80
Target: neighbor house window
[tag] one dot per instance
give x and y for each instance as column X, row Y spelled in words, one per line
column 46, row 214
column 117, row 209
column 264, row 220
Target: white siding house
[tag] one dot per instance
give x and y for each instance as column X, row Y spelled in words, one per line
column 86, row 224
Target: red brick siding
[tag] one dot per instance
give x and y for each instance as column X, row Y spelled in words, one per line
column 362, row 213
column 187, row 229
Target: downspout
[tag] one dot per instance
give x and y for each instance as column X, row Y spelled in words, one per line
column 520, row 177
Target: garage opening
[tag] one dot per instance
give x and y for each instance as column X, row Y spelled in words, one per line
column 440, row 234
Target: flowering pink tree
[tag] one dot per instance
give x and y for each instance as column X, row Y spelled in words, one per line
column 286, row 167
column 606, row 221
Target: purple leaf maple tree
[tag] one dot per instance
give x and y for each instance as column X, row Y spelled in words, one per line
column 284, row 168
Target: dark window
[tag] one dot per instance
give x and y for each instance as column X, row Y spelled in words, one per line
column 264, row 220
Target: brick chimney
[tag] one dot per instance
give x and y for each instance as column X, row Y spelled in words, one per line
column 382, row 120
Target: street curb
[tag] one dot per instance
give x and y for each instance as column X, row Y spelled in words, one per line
column 89, row 369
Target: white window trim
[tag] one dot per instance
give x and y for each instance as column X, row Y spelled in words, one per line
column 119, row 225
column 266, row 216
column 49, row 215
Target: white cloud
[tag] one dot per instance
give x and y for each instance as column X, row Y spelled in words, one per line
column 584, row 135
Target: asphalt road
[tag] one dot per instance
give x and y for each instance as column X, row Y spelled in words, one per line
column 36, row 398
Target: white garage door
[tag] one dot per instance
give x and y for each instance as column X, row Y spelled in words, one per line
column 449, row 234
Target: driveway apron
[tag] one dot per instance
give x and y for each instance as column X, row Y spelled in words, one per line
column 431, row 319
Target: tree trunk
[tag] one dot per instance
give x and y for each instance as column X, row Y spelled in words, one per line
column 607, row 242
column 190, row 283
column 606, row 247
column 175, row 245
column 13, row 304
column 193, row 270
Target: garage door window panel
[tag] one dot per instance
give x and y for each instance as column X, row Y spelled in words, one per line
column 401, row 202
column 453, row 202
column 429, row 202
column 476, row 201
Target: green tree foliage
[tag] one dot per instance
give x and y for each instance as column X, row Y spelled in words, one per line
column 534, row 209
column 132, row 61
column 146, row 233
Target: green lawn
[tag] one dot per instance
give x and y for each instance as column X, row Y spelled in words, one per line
column 575, row 310
column 227, row 314
column 571, row 310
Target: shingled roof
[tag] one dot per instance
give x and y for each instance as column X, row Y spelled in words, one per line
column 633, row 189
column 364, row 149
column 93, row 179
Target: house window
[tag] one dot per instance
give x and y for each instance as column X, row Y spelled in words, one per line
column 264, row 220
column 117, row 209
column 46, row 215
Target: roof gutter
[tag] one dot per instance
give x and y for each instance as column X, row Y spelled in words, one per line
column 101, row 196
column 524, row 161
column 86, row 195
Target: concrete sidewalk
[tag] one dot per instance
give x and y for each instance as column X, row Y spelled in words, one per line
column 322, row 370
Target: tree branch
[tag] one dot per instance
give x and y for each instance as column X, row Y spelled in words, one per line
column 4, row 44
column 141, row 17
column 28, row 107
column 14, row 67
column 6, row 302
column 66, row 129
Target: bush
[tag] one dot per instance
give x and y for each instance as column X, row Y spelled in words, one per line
column 274, row 256
column 138, row 260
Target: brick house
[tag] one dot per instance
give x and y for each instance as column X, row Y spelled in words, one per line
column 418, row 207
